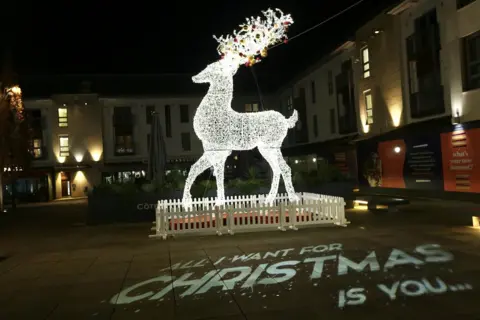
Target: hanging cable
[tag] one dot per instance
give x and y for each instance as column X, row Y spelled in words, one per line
column 321, row 23
column 259, row 92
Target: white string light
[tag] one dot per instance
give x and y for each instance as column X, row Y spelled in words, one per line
column 221, row 129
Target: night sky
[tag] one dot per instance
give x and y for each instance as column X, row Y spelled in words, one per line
column 110, row 37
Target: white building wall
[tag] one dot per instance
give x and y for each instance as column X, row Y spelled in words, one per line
column 142, row 129
column 463, row 23
column 324, row 102
column 454, row 25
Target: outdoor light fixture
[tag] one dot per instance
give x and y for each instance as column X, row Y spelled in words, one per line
column 456, row 118
column 314, row 159
column 296, row 161
column 397, row 149
column 476, row 222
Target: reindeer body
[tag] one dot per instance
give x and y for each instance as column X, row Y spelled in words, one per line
column 221, row 129
column 243, row 128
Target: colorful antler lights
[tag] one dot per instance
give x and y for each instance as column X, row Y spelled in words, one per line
column 250, row 44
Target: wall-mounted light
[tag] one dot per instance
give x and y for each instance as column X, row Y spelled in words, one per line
column 79, row 157
column 456, row 119
column 314, row 159
column 397, row 149
column 296, row 161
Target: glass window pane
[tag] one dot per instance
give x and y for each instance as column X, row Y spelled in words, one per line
column 368, row 101
column 366, row 74
column 62, row 112
column 64, row 141
column 365, row 55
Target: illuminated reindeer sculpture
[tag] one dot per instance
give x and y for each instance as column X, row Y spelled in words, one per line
column 221, row 129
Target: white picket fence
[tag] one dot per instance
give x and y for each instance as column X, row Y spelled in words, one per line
column 247, row 213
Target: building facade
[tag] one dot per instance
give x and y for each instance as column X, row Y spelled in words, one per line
column 417, row 99
column 85, row 134
column 325, row 97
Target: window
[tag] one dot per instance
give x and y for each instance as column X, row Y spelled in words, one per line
column 333, row 128
column 36, row 148
column 186, row 141
column 330, row 82
column 463, row 3
column 315, row 126
column 314, row 94
column 471, row 45
column 149, row 113
column 168, row 122
column 366, row 62
column 289, row 103
column 412, row 66
column 64, row 146
column 369, row 107
column 251, row 107
column 184, row 117
column 124, row 144
column 62, row 117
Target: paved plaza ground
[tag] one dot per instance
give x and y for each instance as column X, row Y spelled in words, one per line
column 420, row 263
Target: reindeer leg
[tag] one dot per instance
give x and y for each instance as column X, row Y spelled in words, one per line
column 196, row 169
column 218, row 159
column 270, row 156
column 287, row 175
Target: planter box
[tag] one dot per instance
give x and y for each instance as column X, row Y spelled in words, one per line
column 112, row 208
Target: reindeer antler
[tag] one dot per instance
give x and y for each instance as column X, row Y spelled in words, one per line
column 250, row 43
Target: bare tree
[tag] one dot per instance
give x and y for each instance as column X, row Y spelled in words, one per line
column 14, row 146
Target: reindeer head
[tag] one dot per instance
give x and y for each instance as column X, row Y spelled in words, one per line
column 250, row 43
column 217, row 71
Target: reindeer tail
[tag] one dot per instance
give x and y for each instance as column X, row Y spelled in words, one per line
column 293, row 119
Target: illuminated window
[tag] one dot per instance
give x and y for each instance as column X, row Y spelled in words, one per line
column 64, row 146
column 369, row 106
column 37, row 148
column 251, row 107
column 366, row 62
column 124, row 144
column 62, row 117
